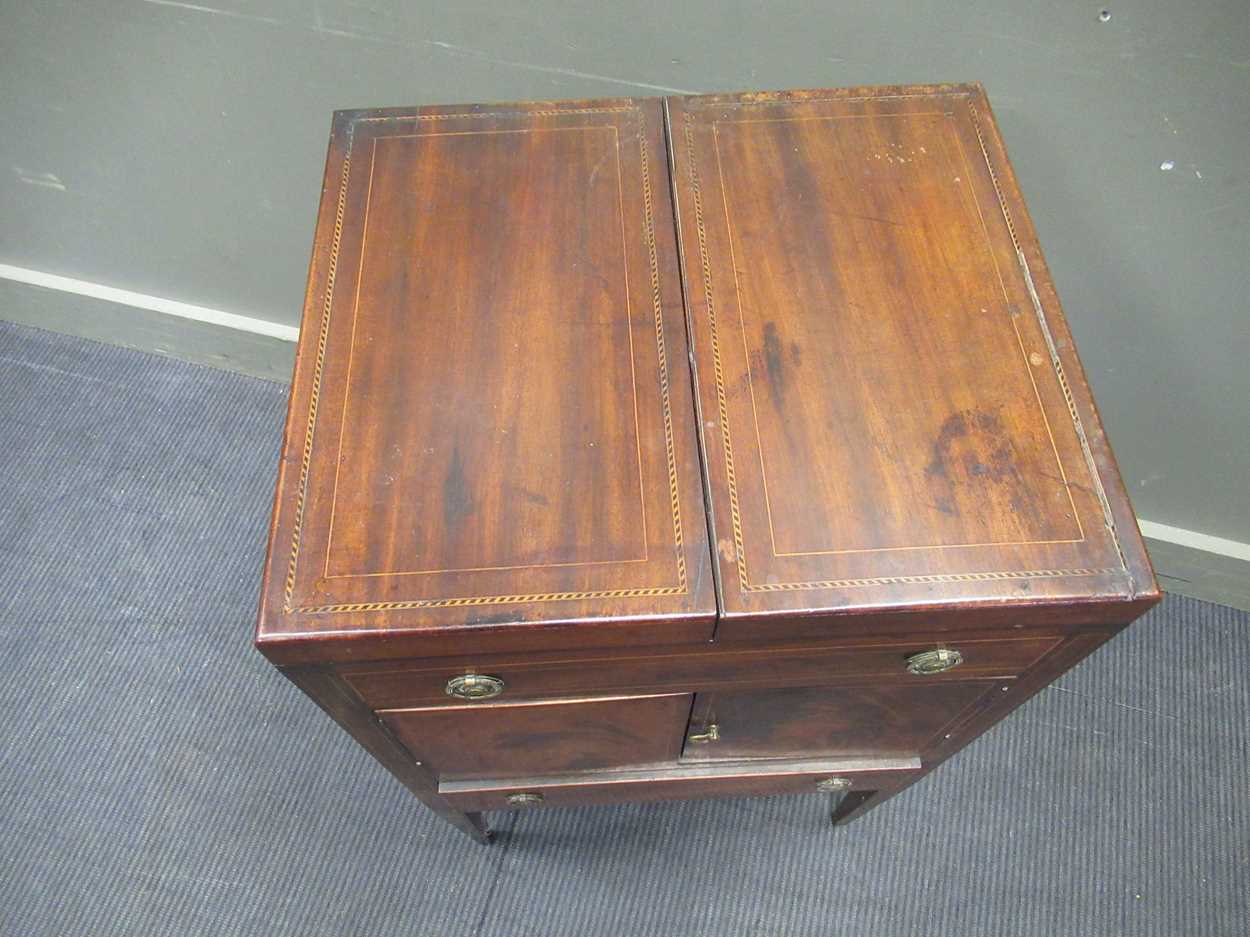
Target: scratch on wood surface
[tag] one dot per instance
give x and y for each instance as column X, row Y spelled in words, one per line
column 851, row 214
column 594, row 172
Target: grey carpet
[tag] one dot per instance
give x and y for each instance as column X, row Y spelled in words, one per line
column 158, row 777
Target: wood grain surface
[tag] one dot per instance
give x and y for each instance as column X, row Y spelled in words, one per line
column 892, row 411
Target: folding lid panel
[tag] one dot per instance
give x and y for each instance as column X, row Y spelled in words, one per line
column 892, row 412
column 490, row 443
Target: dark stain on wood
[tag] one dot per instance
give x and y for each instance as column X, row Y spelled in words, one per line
column 457, row 496
column 976, row 441
column 774, row 362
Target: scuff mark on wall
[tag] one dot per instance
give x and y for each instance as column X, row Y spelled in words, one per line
column 214, row 11
column 44, row 179
column 319, row 26
column 549, row 69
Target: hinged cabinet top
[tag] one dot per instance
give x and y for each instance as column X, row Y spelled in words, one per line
column 492, row 443
column 892, row 411
column 490, row 426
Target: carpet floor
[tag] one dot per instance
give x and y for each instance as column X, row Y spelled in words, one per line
column 159, row 777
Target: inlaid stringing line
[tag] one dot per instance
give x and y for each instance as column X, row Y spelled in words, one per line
column 629, row 335
column 742, row 328
column 316, row 385
column 475, row 115
column 794, row 120
column 488, row 133
column 934, row 578
column 351, row 345
column 460, row 602
column 675, row 501
column 351, row 357
column 722, row 404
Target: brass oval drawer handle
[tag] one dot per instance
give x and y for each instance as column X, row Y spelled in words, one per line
column 711, row 735
column 524, row 799
column 938, row 660
column 474, row 686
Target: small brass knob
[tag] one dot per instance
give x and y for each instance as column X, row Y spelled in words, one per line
column 711, row 735
column 936, row 661
column 474, row 686
column 525, row 799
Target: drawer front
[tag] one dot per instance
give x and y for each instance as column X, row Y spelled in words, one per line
column 864, row 779
column 834, row 722
column 391, row 685
column 511, row 739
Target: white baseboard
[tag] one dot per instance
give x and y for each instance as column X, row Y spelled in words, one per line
column 1195, row 540
column 154, row 324
column 1178, row 552
column 169, row 307
column 1187, row 562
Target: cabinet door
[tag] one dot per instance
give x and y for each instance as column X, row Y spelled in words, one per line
column 538, row 738
column 801, row 722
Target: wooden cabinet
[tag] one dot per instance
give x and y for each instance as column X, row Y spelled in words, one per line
column 707, row 446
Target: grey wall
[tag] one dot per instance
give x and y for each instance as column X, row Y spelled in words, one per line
column 176, row 149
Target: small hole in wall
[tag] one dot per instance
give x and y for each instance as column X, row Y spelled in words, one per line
column 1104, row 16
